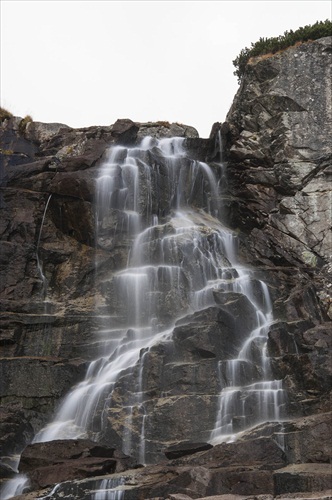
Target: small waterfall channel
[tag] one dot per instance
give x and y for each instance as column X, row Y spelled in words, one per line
column 39, row 261
column 14, row 487
column 165, row 210
column 20, row 483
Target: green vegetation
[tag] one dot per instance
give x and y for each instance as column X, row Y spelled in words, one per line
column 273, row 45
column 4, row 114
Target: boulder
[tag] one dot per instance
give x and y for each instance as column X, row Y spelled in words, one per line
column 302, row 478
column 57, row 461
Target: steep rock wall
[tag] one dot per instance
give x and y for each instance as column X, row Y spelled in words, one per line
column 277, row 141
column 51, row 267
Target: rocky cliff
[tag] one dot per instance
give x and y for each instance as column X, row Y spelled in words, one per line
column 278, row 147
column 276, row 151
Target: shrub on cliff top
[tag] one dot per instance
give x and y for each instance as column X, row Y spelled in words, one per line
column 274, row 44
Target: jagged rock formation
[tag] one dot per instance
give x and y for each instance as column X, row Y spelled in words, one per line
column 276, row 144
column 51, row 166
column 279, row 157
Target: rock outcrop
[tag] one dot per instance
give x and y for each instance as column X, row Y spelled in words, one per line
column 50, row 264
column 255, row 467
column 277, row 150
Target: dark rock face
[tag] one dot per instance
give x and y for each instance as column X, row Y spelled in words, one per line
column 59, row 461
column 48, row 250
column 279, row 161
column 183, row 449
column 278, row 153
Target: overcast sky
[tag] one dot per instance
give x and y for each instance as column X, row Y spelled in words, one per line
column 91, row 62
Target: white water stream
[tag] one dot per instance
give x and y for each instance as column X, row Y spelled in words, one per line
column 166, row 209
column 39, row 261
column 14, row 487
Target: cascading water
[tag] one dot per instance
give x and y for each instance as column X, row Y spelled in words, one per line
column 39, row 261
column 105, row 489
column 14, row 487
column 242, row 404
column 165, row 210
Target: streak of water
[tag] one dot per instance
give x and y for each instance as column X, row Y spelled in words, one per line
column 14, row 487
column 39, row 261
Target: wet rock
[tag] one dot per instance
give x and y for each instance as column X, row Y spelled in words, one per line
column 51, row 463
column 5, row 471
column 202, row 149
column 16, row 430
column 238, row 306
column 183, row 449
column 212, row 332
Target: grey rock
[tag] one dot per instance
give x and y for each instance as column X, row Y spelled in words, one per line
column 303, row 477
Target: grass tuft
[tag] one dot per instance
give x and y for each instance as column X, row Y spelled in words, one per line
column 4, row 114
column 23, row 123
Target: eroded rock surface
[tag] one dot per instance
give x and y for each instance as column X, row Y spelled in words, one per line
column 278, row 147
column 50, row 262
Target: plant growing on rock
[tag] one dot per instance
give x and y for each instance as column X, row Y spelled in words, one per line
column 4, row 114
column 23, row 123
column 272, row 45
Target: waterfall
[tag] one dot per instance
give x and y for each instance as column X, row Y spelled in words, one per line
column 39, row 261
column 241, row 404
column 14, row 487
column 103, row 489
column 109, row 489
column 164, row 210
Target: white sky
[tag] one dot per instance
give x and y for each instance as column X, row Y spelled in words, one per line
column 91, row 62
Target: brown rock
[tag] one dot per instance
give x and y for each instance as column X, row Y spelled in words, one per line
column 62, row 460
column 303, row 477
column 185, row 448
